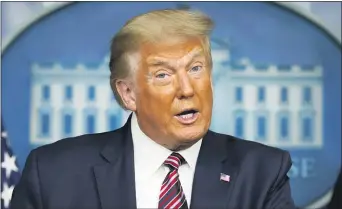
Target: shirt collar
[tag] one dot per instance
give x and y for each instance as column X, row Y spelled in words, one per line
column 150, row 156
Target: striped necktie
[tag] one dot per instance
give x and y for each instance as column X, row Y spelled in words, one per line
column 171, row 192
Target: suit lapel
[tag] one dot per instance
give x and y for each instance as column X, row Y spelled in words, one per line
column 216, row 156
column 115, row 178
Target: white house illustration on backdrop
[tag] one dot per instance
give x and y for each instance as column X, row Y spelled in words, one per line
column 275, row 105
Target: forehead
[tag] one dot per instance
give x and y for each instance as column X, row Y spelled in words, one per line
column 172, row 50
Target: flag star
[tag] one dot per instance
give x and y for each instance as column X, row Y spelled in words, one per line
column 6, row 194
column 4, row 134
column 9, row 164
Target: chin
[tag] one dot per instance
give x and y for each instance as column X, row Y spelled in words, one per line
column 191, row 134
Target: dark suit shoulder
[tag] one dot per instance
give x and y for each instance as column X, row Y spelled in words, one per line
column 76, row 150
column 249, row 145
column 264, row 168
column 256, row 153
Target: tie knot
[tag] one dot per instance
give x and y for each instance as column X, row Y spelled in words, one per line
column 174, row 161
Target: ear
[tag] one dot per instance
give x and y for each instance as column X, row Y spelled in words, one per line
column 127, row 94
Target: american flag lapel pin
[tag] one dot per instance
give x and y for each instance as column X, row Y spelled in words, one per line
column 224, row 177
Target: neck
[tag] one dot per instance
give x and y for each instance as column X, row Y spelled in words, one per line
column 179, row 147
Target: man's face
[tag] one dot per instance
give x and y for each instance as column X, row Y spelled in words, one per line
column 174, row 93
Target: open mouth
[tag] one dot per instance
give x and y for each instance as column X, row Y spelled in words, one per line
column 187, row 113
column 187, row 116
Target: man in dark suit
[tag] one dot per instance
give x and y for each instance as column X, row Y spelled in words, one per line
column 165, row 156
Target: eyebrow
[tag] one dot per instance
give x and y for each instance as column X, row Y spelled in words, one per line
column 155, row 62
column 161, row 61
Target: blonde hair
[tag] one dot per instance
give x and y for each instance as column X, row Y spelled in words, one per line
column 152, row 27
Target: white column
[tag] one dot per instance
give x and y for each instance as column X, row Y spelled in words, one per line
column 34, row 116
column 317, row 101
column 57, row 104
column 272, row 99
column 295, row 99
column 102, row 105
column 250, row 107
column 79, row 101
column 222, row 105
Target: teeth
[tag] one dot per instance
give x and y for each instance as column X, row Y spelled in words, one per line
column 187, row 116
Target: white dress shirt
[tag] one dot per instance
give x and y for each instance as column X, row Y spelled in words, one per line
column 150, row 171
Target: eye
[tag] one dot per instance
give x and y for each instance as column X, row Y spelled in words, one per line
column 196, row 68
column 161, row 75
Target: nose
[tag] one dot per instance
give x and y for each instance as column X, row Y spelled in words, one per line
column 185, row 86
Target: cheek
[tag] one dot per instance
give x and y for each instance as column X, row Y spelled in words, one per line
column 157, row 99
column 204, row 89
column 205, row 94
column 165, row 94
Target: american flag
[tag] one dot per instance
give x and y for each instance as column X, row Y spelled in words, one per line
column 224, row 177
column 10, row 174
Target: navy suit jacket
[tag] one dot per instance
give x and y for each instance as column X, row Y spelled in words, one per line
column 96, row 171
column 336, row 202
